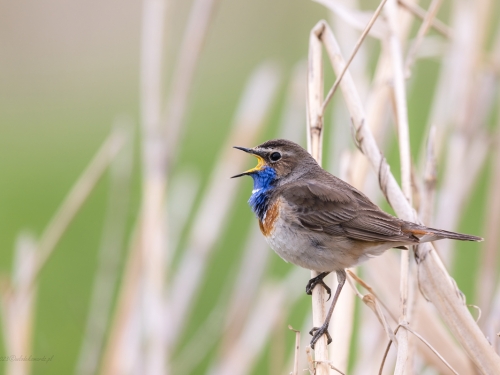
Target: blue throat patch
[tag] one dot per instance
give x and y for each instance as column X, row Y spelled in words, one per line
column 262, row 184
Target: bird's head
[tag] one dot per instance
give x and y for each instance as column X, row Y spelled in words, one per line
column 278, row 160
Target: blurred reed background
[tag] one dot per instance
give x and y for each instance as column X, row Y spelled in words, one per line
column 125, row 247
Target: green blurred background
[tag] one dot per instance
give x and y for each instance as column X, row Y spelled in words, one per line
column 68, row 69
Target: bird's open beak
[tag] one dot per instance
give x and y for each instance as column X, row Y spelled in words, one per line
column 257, row 168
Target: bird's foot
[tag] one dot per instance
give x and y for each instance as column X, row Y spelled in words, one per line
column 316, row 333
column 318, row 280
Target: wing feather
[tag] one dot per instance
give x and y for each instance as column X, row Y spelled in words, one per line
column 337, row 211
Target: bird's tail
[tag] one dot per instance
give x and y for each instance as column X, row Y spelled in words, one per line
column 426, row 234
column 454, row 235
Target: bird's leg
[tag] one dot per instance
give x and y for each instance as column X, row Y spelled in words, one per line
column 317, row 332
column 318, row 280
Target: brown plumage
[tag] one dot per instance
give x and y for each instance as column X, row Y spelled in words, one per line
column 317, row 221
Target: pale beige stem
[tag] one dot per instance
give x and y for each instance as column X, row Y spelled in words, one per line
column 189, row 56
column 417, row 11
column 489, row 258
column 296, row 351
column 18, row 307
column 401, row 111
column 263, row 317
column 314, row 146
column 422, row 31
column 434, row 279
column 110, row 253
column 360, row 41
column 217, row 202
column 75, row 199
column 152, row 226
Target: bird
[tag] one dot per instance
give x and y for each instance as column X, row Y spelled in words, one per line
column 319, row 222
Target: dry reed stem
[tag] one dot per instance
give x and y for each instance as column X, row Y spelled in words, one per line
column 423, row 341
column 341, row 328
column 371, row 301
column 192, row 43
column 181, row 196
column 256, row 250
column 488, row 279
column 125, row 312
column 75, row 199
column 432, row 328
column 246, row 286
column 342, row 322
column 272, row 300
column 422, row 31
column 395, row 51
column 433, row 277
column 418, row 12
column 354, row 18
column 430, row 179
column 204, row 339
column 360, row 41
column 296, row 351
column 330, row 365
column 292, row 118
column 18, row 306
column 314, row 147
column 217, row 202
column 109, row 259
column 427, row 322
column 152, row 233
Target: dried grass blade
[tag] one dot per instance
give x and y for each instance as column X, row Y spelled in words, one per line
column 75, row 199
column 217, row 201
column 433, row 277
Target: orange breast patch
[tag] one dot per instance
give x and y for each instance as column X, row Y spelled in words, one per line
column 267, row 225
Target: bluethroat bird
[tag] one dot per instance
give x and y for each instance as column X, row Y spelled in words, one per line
column 317, row 221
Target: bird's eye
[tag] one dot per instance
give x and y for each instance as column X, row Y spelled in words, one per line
column 275, row 156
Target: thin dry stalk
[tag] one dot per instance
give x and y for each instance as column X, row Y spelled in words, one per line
column 109, row 259
column 18, row 306
column 434, row 279
column 430, row 179
column 246, row 286
column 371, row 301
column 355, row 18
column 75, row 199
column 296, row 351
column 423, row 341
column 272, row 300
column 310, row 361
column 256, row 250
column 152, row 233
column 360, row 41
column 204, row 339
column 189, row 56
column 314, row 146
column 489, row 257
column 125, row 316
column 329, row 364
column 425, row 320
column 422, row 31
column 341, row 328
column 401, row 110
column 418, row 12
column 181, row 196
column 217, row 202
column 292, row 119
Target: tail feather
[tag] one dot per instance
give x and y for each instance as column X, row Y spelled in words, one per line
column 454, row 236
column 426, row 234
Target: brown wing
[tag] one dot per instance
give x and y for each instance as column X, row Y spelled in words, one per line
column 338, row 211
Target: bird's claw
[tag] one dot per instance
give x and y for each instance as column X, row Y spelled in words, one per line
column 318, row 280
column 316, row 333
